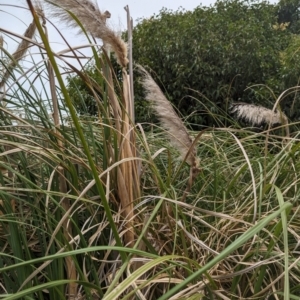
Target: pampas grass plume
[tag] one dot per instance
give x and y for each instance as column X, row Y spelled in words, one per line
column 94, row 21
column 257, row 115
column 169, row 120
column 20, row 52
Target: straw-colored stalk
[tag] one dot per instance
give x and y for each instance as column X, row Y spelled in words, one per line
column 128, row 186
column 127, row 178
column 94, row 21
column 129, row 31
column 128, row 182
column 170, row 121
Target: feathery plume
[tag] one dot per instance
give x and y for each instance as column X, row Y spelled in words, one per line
column 179, row 136
column 93, row 20
column 257, row 115
column 23, row 46
column 19, row 53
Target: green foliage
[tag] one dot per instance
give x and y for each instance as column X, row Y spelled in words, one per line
column 290, row 76
column 212, row 54
column 206, row 58
column 288, row 12
column 82, row 96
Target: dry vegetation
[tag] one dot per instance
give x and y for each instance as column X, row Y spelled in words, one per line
column 100, row 209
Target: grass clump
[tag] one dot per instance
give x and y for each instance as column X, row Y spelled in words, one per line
column 96, row 208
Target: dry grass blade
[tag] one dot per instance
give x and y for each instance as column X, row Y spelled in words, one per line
column 257, row 115
column 93, row 20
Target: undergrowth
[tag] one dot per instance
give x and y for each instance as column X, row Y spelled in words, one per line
column 98, row 208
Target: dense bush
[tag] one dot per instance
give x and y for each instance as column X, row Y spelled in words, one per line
column 288, row 12
column 206, row 58
column 216, row 52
